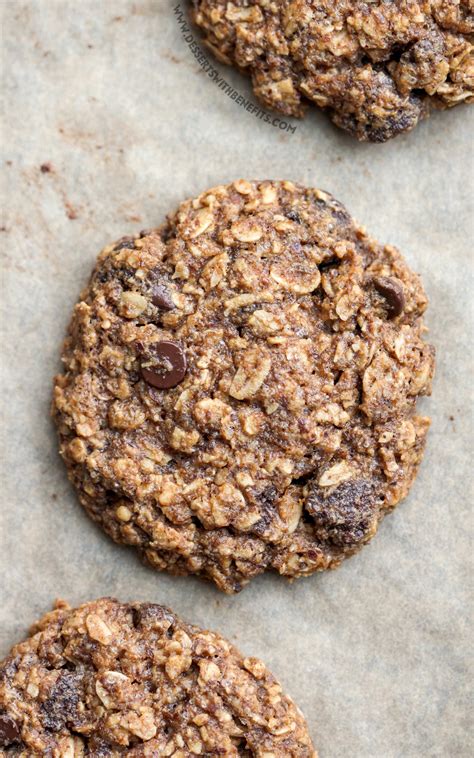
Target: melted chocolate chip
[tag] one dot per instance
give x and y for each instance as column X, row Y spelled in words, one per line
column 268, row 496
column 294, row 216
column 9, row 731
column 329, row 263
column 267, row 503
column 392, row 292
column 125, row 242
column 62, row 705
column 161, row 297
column 345, row 517
column 166, row 367
column 152, row 616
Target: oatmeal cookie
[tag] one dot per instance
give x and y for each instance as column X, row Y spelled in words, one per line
column 240, row 385
column 113, row 679
column 377, row 67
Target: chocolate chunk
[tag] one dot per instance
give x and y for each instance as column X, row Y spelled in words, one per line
column 346, row 516
column 166, row 367
column 9, row 731
column 62, row 705
column 161, row 297
column 392, row 291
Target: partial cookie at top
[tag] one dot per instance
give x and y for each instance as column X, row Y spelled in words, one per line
column 377, row 67
column 110, row 679
column 240, row 384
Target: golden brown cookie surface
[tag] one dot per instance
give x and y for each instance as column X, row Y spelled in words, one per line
column 377, row 67
column 110, row 679
column 240, row 385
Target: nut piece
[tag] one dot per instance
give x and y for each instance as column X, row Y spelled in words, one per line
column 251, row 374
column 203, row 221
column 183, row 440
column 290, row 508
column 98, row 629
column 247, row 230
column 255, row 666
column 141, row 725
column 240, row 301
column 132, row 304
column 298, row 279
column 211, row 412
column 252, row 15
column 108, row 681
column 123, row 513
column 338, row 473
column 264, row 322
column 71, row 747
column 208, row 671
column 126, row 414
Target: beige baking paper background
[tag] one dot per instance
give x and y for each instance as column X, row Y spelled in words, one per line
column 107, row 93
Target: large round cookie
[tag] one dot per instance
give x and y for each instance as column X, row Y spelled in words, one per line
column 377, row 67
column 240, row 385
column 109, row 679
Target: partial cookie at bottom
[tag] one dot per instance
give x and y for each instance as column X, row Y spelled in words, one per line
column 110, row 679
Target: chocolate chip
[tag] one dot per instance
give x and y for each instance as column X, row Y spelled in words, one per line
column 294, row 216
column 125, row 242
column 166, row 367
column 329, row 263
column 9, row 731
column 392, row 291
column 161, row 297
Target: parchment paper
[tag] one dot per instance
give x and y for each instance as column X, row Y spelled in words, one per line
column 108, row 98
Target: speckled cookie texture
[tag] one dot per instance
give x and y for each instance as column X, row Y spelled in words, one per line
column 377, row 67
column 111, row 679
column 240, row 384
